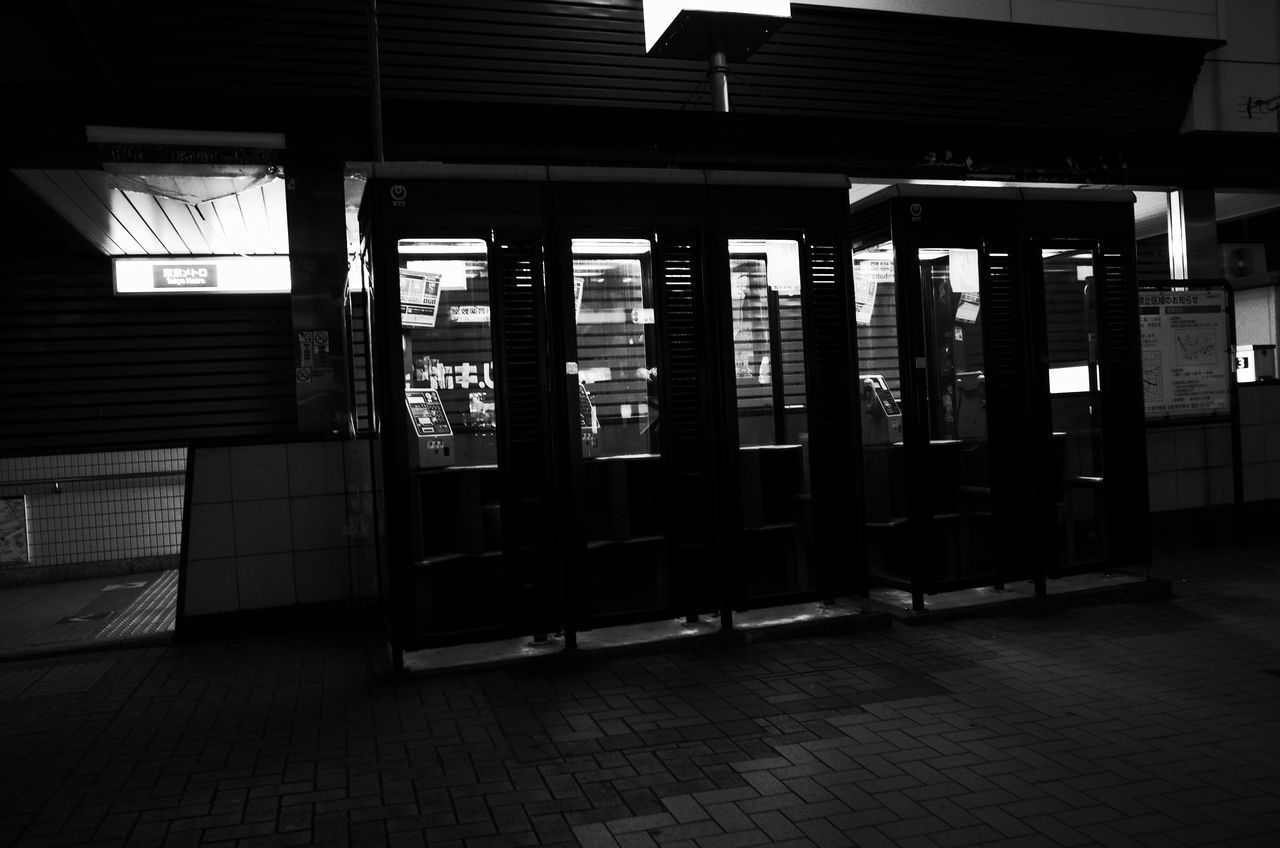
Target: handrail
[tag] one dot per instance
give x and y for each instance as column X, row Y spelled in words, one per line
column 58, row 481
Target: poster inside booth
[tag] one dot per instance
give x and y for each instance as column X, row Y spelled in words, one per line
column 1187, row 364
column 419, row 298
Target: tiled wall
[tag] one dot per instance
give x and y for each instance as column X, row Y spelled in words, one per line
column 102, row 507
column 1260, row 440
column 1190, row 466
column 278, row 526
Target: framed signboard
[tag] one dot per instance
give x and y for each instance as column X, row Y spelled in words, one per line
column 1187, row 364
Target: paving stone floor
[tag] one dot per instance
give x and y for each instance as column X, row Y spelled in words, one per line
column 1143, row 724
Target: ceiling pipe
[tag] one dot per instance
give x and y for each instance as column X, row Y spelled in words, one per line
column 719, row 75
column 375, row 76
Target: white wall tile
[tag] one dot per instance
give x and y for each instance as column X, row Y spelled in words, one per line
column 212, row 482
column 316, row 468
column 1219, row 448
column 1271, row 436
column 259, row 471
column 1221, row 486
column 1255, row 482
column 322, row 576
column 1271, row 403
column 263, row 527
column 1273, row 480
column 1250, row 397
column 213, row 531
column 211, row 586
column 319, row 522
column 266, row 581
column 1160, row 450
column 1193, row 488
column 1190, row 447
column 1162, row 490
column 1253, row 443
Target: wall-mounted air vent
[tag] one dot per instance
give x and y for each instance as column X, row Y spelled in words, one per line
column 1245, row 265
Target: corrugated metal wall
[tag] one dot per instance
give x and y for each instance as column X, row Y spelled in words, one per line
column 823, row 62
column 86, row 369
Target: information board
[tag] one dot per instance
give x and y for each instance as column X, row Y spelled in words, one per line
column 1187, row 366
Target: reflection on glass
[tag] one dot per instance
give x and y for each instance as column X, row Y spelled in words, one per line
column 1071, row 322
column 957, row 465
column 448, row 344
column 953, row 334
column 768, row 344
column 880, row 406
column 768, row 365
column 621, row 513
column 617, row 346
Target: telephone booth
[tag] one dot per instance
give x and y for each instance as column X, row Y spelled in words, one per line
column 1000, row 385
column 608, row 396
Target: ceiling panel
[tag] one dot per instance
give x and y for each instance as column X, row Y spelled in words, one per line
column 187, row 224
column 134, row 223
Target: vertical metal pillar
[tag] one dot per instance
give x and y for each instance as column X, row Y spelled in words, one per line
column 1193, row 235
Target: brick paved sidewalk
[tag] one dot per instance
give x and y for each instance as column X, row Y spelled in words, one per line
column 1117, row 724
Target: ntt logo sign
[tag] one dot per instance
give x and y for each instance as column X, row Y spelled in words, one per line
column 398, row 194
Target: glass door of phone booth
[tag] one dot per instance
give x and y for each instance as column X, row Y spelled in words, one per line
column 934, row 422
column 1071, row 343
column 985, row 327
column 608, row 416
column 621, row 516
column 767, row 325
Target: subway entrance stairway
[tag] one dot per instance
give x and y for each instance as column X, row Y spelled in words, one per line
column 1149, row 723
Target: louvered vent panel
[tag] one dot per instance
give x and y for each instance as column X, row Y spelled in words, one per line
column 1008, row 413
column 682, row 407
column 523, row 401
column 1001, row 310
column 828, row 334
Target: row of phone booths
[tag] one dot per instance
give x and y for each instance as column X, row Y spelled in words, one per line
column 607, row 397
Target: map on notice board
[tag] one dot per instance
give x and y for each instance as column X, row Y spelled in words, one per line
column 1187, row 365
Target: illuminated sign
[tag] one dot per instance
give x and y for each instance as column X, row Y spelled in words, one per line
column 659, row 15
column 201, row 275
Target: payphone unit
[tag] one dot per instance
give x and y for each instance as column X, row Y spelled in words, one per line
column 430, row 436
column 881, row 415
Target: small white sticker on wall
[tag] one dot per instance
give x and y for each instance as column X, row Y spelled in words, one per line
column 571, row 368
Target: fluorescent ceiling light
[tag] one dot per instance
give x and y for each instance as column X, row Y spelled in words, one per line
column 612, row 247
column 432, row 247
